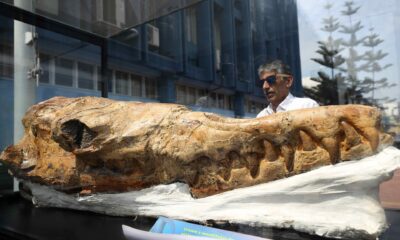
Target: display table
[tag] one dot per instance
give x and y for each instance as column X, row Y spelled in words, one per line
column 19, row 219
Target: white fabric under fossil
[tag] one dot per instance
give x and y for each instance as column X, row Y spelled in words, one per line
column 334, row 201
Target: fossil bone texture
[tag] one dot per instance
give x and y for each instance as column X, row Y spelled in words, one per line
column 93, row 144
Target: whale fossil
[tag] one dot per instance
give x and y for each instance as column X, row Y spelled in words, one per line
column 88, row 144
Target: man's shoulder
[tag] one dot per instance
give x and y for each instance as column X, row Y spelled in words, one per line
column 263, row 113
column 304, row 102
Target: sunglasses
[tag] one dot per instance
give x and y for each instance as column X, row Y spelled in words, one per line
column 272, row 79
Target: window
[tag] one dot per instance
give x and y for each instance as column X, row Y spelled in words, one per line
column 151, row 88
column 6, row 61
column 237, row 4
column 85, row 76
column 254, row 106
column 47, row 6
column 191, row 25
column 98, row 78
column 191, row 96
column 64, row 74
column 217, row 37
column 221, row 101
column 180, row 94
column 121, row 83
column 228, row 102
column 200, row 97
column 44, row 64
column 164, row 36
column 111, row 12
column 136, row 88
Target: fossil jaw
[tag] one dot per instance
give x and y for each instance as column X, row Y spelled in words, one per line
column 96, row 145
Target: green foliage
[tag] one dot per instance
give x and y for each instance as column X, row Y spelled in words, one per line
column 326, row 91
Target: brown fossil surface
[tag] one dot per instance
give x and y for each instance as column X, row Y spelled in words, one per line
column 94, row 144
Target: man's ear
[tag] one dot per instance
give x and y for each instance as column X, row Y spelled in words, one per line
column 289, row 81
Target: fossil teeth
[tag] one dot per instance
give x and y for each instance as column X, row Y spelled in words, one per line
column 352, row 138
column 372, row 136
column 331, row 145
column 271, row 152
column 236, row 160
column 253, row 161
column 287, row 152
column 307, row 143
column 225, row 169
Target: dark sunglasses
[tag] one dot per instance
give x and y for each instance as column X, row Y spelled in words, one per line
column 272, row 79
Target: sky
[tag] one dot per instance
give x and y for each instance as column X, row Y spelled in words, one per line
column 383, row 16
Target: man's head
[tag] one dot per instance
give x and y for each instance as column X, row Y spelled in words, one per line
column 277, row 80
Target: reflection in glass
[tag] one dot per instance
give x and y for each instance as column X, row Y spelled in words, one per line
column 64, row 75
column 136, row 85
column 121, row 83
column 151, row 88
column 180, row 94
column 6, row 61
column 354, row 55
column 191, row 96
column 85, row 76
column 163, row 35
column 45, row 73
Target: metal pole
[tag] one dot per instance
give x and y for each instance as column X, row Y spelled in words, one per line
column 24, row 61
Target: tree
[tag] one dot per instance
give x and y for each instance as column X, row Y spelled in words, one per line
column 372, row 58
column 355, row 88
column 326, row 92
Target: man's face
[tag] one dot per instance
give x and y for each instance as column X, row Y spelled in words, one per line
column 276, row 86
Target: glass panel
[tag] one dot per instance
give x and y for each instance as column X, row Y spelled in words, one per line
column 6, row 61
column 212, row 101
column 191, row 96
column 103, row 17
column 109, row 11
column 191, row 25
column 136, row 85
column 64, row 68
column 207, row 55
column 121, row 84
column 151, row 88
column 349, row 55
column 221, row 101
column 36, row 65
column 162, row 36
column 98, row 82
column 180, row 94
column 85, row 76
column 45, row 63
column 217, row 37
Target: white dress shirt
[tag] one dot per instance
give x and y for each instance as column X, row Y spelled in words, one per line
column 290, row 103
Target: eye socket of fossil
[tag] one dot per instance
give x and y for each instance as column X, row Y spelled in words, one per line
column 96, row 145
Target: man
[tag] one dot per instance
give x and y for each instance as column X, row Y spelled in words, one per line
column 277, row 80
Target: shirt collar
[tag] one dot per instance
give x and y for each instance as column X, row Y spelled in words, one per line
column 283, row 105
